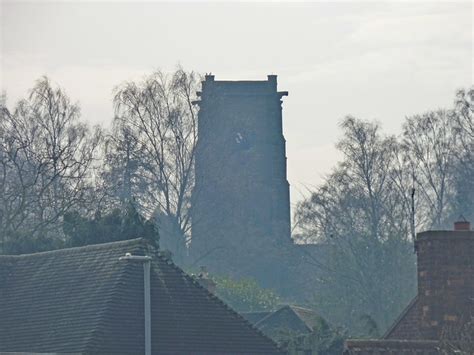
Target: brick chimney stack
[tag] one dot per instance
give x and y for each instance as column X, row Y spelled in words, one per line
column 445, row 278
column 462, row 226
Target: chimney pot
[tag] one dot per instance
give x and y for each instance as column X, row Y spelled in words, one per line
column 462, row 226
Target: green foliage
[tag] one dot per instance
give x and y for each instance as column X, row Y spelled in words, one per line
column 323, row 340
column 119, row 224
column 245, row 295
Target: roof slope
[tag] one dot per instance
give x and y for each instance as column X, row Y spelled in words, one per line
column 288, row 318
column 86, row 300
column 407, row 325
column 254, row 317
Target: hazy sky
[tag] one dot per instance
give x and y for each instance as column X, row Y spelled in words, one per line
column 374, row 60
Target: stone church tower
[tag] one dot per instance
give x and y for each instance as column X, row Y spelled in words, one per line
column 241, row 204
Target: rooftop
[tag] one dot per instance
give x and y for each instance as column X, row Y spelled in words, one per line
column 85, row 300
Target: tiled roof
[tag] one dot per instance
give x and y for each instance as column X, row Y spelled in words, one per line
column 254, row 317
column 85, row 300
column 288, row 318
column 308, row 316
column 407, row 325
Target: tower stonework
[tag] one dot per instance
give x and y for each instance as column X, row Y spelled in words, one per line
column 241, row 202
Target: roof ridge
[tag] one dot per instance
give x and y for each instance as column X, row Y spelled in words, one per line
column 299, row 307
column 76, row 249
column 112, row 295
column 271, row 314
column 291, row 307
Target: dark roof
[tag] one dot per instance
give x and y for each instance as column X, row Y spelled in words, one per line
column 85, row 300
column 254, row 317
column 309, row 317
column 289, row 319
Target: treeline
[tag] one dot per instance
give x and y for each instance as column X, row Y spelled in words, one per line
column 363, row 211
column 64, row 183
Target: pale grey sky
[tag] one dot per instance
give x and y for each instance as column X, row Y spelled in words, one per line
column 374, row 60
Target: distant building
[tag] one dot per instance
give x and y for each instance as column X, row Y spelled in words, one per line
column 241, row 202
column 445, row 302
column 86, row 301
column 286, row 320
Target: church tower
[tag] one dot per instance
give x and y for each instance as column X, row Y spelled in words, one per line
column 241, row 203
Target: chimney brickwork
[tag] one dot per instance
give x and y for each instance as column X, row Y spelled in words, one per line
column 445, row 279
column 445, row 300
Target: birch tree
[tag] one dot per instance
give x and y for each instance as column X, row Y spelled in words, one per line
column 45, row 156
column 363, row 222
column 160, row 121
column 430, row 145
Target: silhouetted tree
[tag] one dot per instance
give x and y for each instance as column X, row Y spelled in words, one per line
column 151, row 151
column 45, row 158
column 430, row 145
column 463, row 116
column 118, row 224
column 364, row 222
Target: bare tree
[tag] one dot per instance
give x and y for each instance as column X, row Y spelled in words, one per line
column 463, row 117
column 364, row 223
column 121, row 175
column 158, row 124
column 430, row 146
column 364, row 214
column 45, row 155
